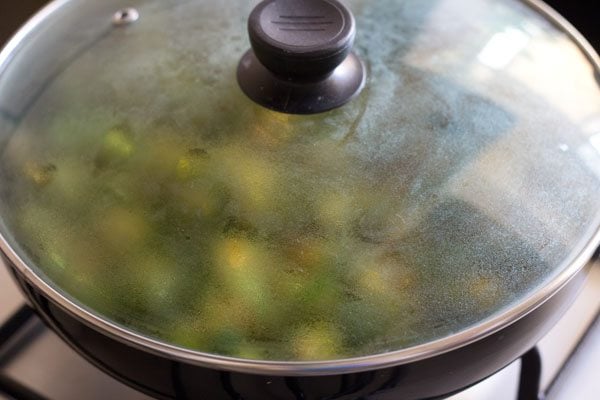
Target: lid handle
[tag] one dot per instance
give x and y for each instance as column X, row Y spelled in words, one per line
column 301, row 39
column 301, row 60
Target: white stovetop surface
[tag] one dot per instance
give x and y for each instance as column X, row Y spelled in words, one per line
column 50, row 367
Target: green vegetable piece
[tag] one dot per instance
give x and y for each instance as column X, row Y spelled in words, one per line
column 320, row 341
column 122, row 226
column 226, row 341
column 116, row 146
column 117, row 143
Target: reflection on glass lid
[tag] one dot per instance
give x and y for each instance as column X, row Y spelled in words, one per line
column 141, row 182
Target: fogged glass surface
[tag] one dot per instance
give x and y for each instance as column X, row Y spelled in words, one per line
column 139, row 179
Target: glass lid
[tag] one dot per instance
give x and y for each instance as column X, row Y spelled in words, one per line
column 142, row 181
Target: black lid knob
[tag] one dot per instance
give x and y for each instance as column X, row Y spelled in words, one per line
column 301, row 60
column 301, row 39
